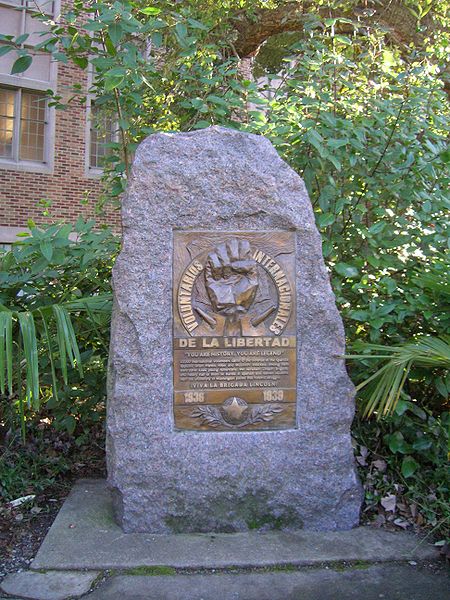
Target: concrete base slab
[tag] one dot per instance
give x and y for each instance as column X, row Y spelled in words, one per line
column 56, row 585
column 85, row 536
column 391, row 582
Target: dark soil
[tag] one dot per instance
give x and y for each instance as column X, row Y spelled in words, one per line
column 46, row 468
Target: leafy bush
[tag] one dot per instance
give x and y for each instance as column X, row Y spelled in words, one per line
column 370, row 141
column 55, row 282
column 403, row 463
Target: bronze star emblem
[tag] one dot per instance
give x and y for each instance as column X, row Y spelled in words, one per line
column 234, row 409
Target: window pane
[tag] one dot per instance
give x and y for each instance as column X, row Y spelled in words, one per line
column 11, row 20
column 35, row 28
column 102, row 134
column 32, row 127
column 6, row 122
column 39, row 69
column 46, row 6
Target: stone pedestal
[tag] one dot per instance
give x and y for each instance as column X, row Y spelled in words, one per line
column 170, row 480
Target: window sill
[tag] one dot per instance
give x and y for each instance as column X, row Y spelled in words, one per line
column 26, row 167
column 93, row 173
column 8, row 234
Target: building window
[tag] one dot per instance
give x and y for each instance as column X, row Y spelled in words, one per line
column 19, row 19
column 26, row 120
column 102, row 133
column 23, row 124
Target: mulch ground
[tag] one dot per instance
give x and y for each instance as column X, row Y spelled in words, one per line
column 23, row 527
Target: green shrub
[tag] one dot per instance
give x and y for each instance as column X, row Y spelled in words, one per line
column 55, row 304
column 404, row 459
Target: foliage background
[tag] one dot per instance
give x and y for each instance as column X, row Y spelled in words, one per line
column 363, row 119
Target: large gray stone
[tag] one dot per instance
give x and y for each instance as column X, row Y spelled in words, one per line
column 53, row 585
column 171, row 481
column 391, row 582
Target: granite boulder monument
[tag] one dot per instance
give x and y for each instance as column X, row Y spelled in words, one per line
column 229, row 406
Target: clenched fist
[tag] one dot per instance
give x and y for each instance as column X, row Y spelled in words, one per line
column 231, row 278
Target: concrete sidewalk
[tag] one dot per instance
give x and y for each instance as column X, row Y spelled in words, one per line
column 390, row 582
column 85, row 552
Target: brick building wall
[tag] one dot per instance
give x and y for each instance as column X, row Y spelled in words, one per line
column 69, row 183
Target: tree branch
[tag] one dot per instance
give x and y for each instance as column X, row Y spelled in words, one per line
column 290, row 16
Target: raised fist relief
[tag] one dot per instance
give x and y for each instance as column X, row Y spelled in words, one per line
column 231, row 279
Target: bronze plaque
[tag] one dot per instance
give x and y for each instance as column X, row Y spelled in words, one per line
column 234, row 333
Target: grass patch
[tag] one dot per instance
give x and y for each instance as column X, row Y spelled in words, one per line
column 349, row 565
column 284, row 568
column 151, row 571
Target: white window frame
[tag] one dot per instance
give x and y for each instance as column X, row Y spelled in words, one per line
column 94, row 172
column 15, row 160
column 89, row 171
column 24, row 81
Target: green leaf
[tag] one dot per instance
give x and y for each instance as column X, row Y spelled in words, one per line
column 409, row 466
column 441, row 387
column 157, row 39
column 69, row 423
column 316, row 140
column 50, row 356
column 346, row 270
column 81, row 61
column 335, row 162
column 6, row 350
column 343, row 39
column 197, row 25
column 327, row 247
column 258, row 116
column 115, row 32
column 335, row 144
column 22, row 38
column 396, row 442
column 402, row 407
column 422, row 443
column 202, row 124
column 359, row 315
column 377, row 227
column 28, row 331
column 5, row 49
column 419, row 412
column 217, row 100
column 150, row 10
column 94, row 25
column 113, row 82
column 181, row 30
column 21, row 64
column 67, row 343
column 116, row 72
column 46, row 249
column 325, row 219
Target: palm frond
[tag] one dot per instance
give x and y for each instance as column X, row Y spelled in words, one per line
column 67, row 341
column 6, row 351
column 28, row 331
column 48, row 341
column 100, row 303
column 387, row 383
